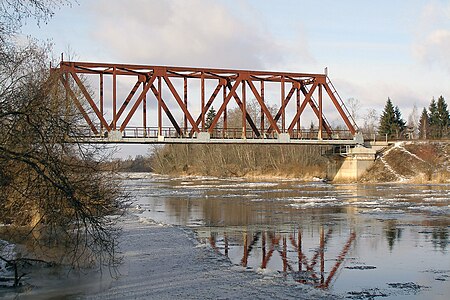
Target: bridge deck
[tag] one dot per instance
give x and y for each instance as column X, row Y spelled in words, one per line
column 165, row 140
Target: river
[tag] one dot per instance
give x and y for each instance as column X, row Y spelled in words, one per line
column 355, row 240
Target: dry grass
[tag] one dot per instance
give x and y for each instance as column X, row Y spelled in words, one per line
column 426, row 162
column 297, row 161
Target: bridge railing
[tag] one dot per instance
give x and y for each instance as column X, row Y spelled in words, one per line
column 217, row 133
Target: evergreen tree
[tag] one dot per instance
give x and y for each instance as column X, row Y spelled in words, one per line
column 210, row 117
column 433, row 118
column 443, row 117
column 400, row 124
column 424, row 125
column 387, row 120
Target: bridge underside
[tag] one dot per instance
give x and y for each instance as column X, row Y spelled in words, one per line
column 174, row 105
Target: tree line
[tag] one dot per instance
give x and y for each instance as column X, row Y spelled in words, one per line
column 434, row 122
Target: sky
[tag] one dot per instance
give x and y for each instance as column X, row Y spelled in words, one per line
column 372, row 49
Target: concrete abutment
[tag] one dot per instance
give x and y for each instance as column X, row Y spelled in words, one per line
column 351, row 167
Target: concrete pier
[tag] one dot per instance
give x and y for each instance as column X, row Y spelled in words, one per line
column 350, row 168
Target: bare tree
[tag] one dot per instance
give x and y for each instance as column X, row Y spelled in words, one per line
column 54, row 200
column 413, row 122
column 370, row 121
column 354, row 106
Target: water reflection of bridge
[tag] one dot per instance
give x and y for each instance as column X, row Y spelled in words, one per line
column 270, row 243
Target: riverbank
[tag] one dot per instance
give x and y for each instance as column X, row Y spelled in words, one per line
column 406, row 161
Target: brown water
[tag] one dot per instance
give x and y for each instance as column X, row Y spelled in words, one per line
column 358, row 241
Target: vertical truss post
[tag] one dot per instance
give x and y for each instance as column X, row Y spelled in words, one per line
column 319, row 136
column 203, row 100
column 144, row 110
column 262, row 110
column 298, row 109
column 244, row 111
column 185, row 96
column 283, row 105
column 114, row 99
column 225, row 121
column 101, row 100
column 159, row 106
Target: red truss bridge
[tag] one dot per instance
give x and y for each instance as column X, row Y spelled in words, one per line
column 164, row 104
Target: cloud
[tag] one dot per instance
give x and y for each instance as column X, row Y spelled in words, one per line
column 190, row 33
column 432, row 43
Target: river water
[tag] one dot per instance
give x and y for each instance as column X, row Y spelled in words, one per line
column 357, row 241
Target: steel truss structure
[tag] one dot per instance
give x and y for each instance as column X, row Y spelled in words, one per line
column 235, row 85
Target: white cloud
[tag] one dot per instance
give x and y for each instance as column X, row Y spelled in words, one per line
column 432, row 43
column 190, row 33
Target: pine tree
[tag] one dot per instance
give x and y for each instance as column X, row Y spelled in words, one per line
column 424, row 125
column 210, row 117
column 387, row 120
column 443, row 117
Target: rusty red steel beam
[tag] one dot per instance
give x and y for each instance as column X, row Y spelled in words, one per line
column 230, row 79
column 208, row 105
column 166, row 109
column 126, row 102
column 263, row 106
column 89, row 99
column 240, row 104
column 131, row 69
column 148, row 84
column 79, row 106
column 180, row 103
column 317, row 111
column 282, row 108
column 307, row 100
column 340, row 110
column 224, row 104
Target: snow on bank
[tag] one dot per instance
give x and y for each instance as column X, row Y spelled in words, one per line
column 167, row 262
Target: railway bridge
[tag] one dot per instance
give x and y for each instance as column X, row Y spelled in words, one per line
column 122, row 103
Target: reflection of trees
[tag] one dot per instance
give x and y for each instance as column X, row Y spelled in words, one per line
column 392, row 233
column 440, row 237
column 218, row 211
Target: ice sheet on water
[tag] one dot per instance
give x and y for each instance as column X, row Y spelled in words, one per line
column 441, row 210
column 436, row 199
column 312, row 202
column 7, row 251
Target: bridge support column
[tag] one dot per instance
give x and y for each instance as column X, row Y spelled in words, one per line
column 353, row 166
column 284, row 138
